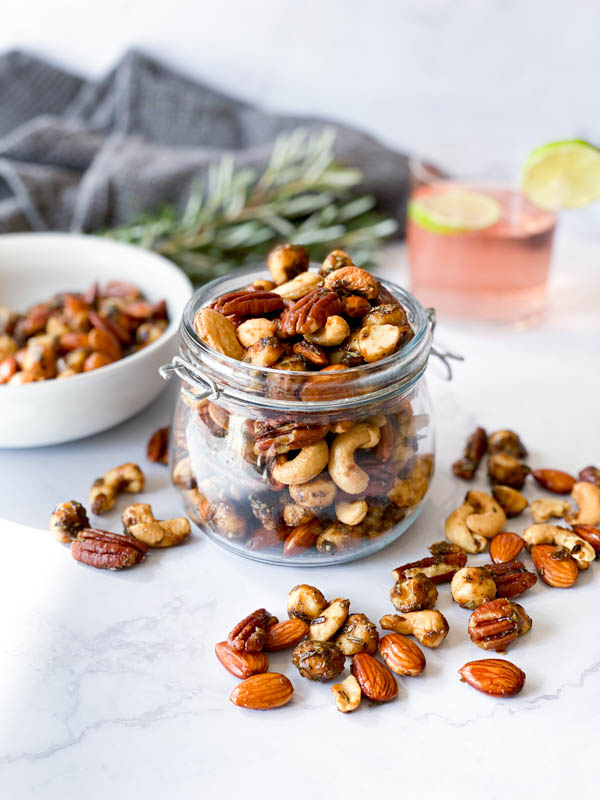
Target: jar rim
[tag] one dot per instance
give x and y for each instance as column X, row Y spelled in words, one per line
column 390, row 376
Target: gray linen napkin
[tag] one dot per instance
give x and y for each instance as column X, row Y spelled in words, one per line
column 81, row 155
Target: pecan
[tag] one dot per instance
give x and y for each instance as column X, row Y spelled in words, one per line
column 248, row 304
column 309, row 313
column 106, row 550
column 512, row 578
column 494, row 625
column 440, row 569
column 475, row 448
column 157, row 449
column 273, row 438
column 311, row 352
column 353, row 280
column 251, row 632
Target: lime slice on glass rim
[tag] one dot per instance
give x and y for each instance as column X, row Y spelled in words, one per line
column 454, row 211
column 562, row 175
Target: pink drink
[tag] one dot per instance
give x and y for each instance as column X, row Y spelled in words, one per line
column 498, row 274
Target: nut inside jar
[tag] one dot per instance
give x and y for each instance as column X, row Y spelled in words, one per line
column 313, row 455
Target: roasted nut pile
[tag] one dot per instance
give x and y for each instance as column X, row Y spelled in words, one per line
column 76, row 332
column 291, row 483
column 323, row 634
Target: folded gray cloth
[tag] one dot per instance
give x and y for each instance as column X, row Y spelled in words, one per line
column 79, row 155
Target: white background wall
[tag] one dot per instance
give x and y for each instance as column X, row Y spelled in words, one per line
column 426, row 75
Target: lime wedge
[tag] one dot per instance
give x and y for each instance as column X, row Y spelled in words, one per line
column 454, row 210
column 562, row 175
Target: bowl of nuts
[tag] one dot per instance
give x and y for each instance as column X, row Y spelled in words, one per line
column 302, row 433
column 85, row 323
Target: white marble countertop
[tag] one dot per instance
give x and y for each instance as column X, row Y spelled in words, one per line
column 109, row 683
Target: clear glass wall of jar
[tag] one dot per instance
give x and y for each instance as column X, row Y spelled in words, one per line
column 303, row 468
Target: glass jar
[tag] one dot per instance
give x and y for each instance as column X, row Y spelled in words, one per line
column 302, row 468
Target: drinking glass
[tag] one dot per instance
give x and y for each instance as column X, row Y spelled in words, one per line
column 498, row 273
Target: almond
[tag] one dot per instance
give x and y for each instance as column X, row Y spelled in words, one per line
column 554, row 480
column 505, row 547
column 554, row 565
column 218, row 332
column 375, row 680
column 242, row 665
column 493, row 676
column 402, row 655
column 590, row 534
column 285, row 634
column 261, row 692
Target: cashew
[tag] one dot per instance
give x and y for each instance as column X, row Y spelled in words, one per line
column 310, row 461
column 318, row 493
column 335, row 330
column 387, row 314
column 343, row 470
column 347, row 694
column 265, row 352
column 294, row 515
column 510, row 500
column 408, row 492
column 138, row 520
column 587, row 497
column 471, row 587
column 339, row 538
column 358, row 635
column 458, row 533
column 67, row 520
column 305, row 602
column 328, row 623
column 542, row 510
column 251, row 330
column 302, row 284
column 580, row 550
column 351, row 513
column 228, row 522
column 125, row 478
column 287, row 260
column 488, row 518
column 182, row 475
column 542, row 533
column 378, row 341
column 428, row 627
column 414, row 594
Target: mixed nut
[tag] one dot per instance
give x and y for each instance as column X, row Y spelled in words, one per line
column 104, row 549
column 75, row 332
column 309, row 480
column 323, row 634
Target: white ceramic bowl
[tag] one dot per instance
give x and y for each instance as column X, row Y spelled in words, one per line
column 33, row 267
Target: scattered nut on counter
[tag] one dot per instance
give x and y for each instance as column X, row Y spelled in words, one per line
column 494, row 676
column 125, row 478
column 75, row 332
column 138, row 520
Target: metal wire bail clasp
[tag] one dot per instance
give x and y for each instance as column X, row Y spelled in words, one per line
column 202, row 387
column 444, row 356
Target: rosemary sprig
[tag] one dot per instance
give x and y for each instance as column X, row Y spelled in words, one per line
column 302, row 196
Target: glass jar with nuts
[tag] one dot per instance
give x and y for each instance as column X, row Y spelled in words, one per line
column 303, row 433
